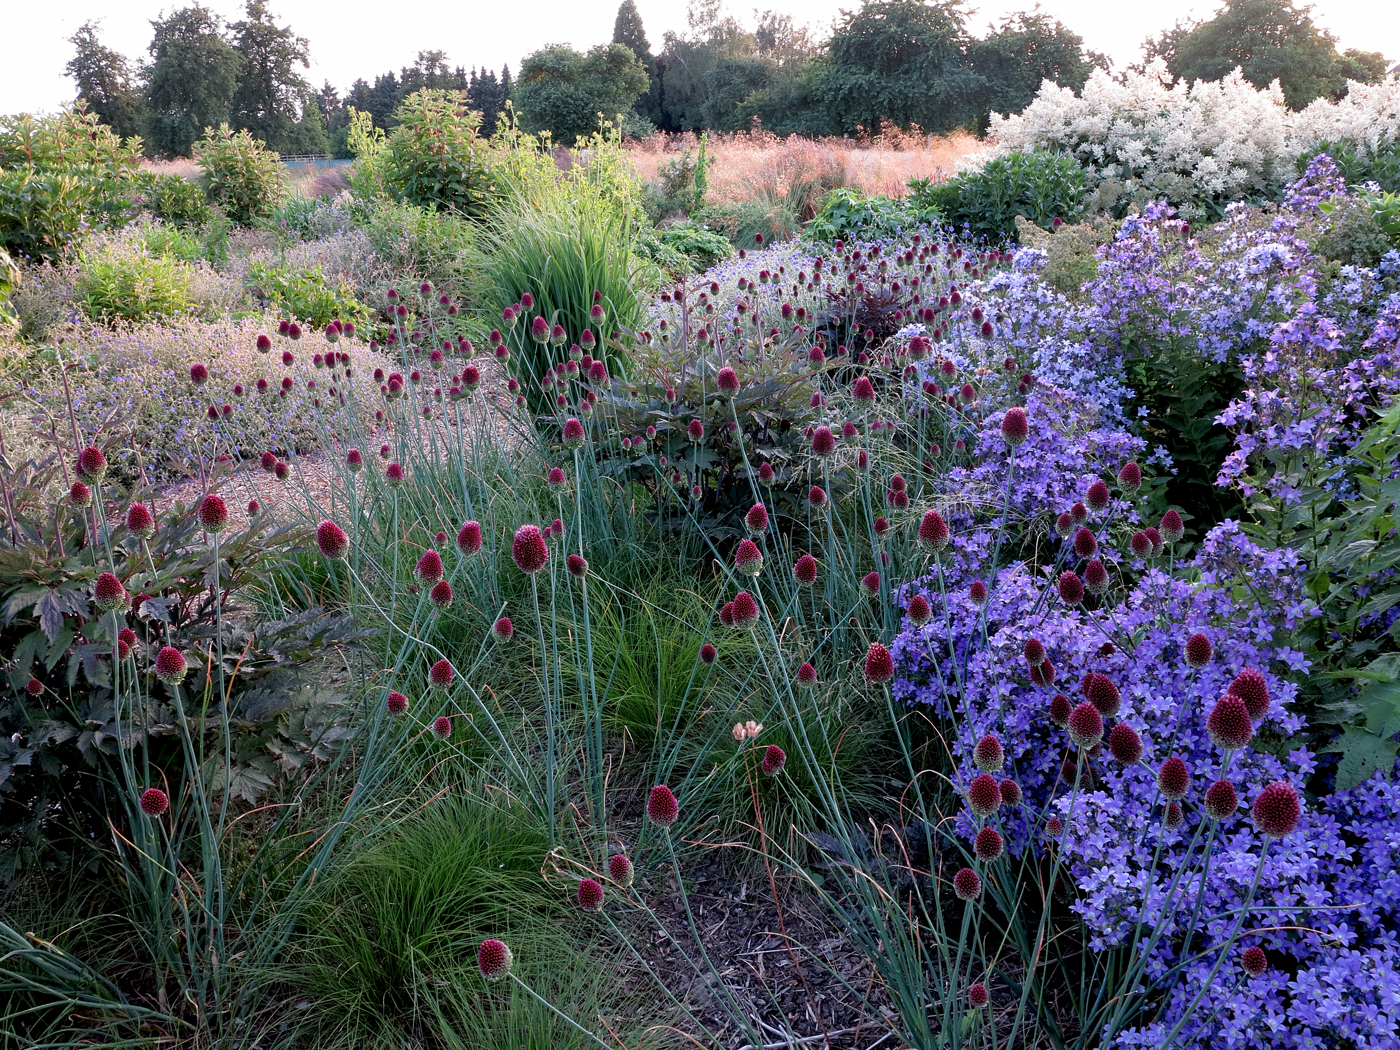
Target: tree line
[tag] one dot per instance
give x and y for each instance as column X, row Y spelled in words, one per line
column 911, row 63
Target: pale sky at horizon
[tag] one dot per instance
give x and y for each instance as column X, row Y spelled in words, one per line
column 360, row 38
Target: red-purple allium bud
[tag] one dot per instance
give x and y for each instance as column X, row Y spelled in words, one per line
column 332, row 540
column 1100, row 691
column 1174, row 779
column 1085, row 544
column 977, row 996
column 708, row 654
column 441, row 674
column 1097, row 496
column 127, row 635
column 745, row 611
column 573, row 433
column 268, row 460
column 967, row 884
column 662, row 807
column 774, row 758
column 264, row 343
column 1140, row 544
column 621, row 871
column 590, row 895
column 933, row 531
column 806, row 676
column 442, row 727
column 988, row 754
column 1222, row 800
column 696, row 430
column 1254, row 961
column 977, row 591
column 393, row 474
column 1229, row 724
column 765, row 470
column 756, row 520
column 170, row 665
column 154, row 802
column 109, row 594
column 1054, row 828
column 556, row 477
column 1064, row 525
column 879, row 665
column 396, row 703
column 1277, row 809
column 919, row 611
column 469, row 537
column 1015, row 427
column 1198, row 650
column 1172, row 815
column 1095, row 577
column 870, row 583
column 823, row 441
column 441, row 594
column 1071, row 588
column 1249, row 686
column 288, row 358
column 804, row 570
column 1171, row 527
column 817, row 497
column 502, row 629
column 494, row 960
column 529, row 549
column 1125, row 744
column 539, row 330
column 815, row 357
column 863, row 391
column 748, row 559
column 440, row 538
column 882, row 526
column 1010, row 793
column 1079, row 514
column 254, row 508
column 849, row 431
column 576, row 565
column 727, row 381
column 213, row 513
column 984, row 795
column 1130, row 477
column 429, row 568
column 92, row 465
column 1043, row 673
column 988, row 845
column 1085, row 726
column 1060, row 710
column 726, row 614
column 199, row 374
column 139, row 521
column 1035, row 652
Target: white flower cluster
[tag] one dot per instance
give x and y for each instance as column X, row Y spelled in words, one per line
column 1145, row 139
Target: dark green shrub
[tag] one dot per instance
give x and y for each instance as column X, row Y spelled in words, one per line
column 1352, row 230
column 1360, row 162
column 1040, row 186
column 440, row 247
column 436, row 159
column 241, row 175
column 129, row 283
column 848, row 214
column 700, row 246
column 176, row 201
column 307, row 294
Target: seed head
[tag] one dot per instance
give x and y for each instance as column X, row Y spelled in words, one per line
column 109, row 594
column 393, row 474
column 577, row 566
column 806, row 676
column 1249, row 686
column 556, row 477
column 1097, row 496
column 1229, row 724
column 662, row 807
column 1015, row 427
column 879, row 665
column 139, row 521
column 621, row 871
column 1079, row 514
column 254, row 508
column 494, row 960
column 92, row 465
column 967, row 884
column 1071, row 589
column 1171, row 527
column 823, row 441
column 1155, row 538
column 1254, row 961
column 1035, row 652
column 396, row 703
column 170, row 665
column 696, row 430
column 529, row 550
column 1010, row 793
column 988, row 755
column 154, row 802
column 919, row 611
column 1085, row 726
column 984, row 795
column 441, row 674
column 1125, row 744
column 933, row 531
column 502, row 630
column 213, row 513
column 977, row 996
column 332, row 540
column 748, row 559
column 1222, row 800
column 469, row 537
column 726, row 614
column 765, row 473
column 1277, row 809
column 1060, row 710
column 988, row 845
column 1130, row 477
column 774, row 758
column 708, row 654
column 745, row 611
column 429, row 568
column 1064, row 525
column 756, row 520
column 199, row 374
column 863, row 391
column 1174, row 779
column 1197, row 650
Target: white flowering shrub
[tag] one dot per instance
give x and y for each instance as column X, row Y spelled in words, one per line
column 1197, row 146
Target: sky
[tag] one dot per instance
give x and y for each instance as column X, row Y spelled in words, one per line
column 359, row 38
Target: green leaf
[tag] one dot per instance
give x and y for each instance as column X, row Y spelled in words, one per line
column 1381, row 703
column 1362, row 754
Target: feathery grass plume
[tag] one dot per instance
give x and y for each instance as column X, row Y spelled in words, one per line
column 494, row 960
column 170, row 665
column 1173, row 778
column 662, row 807
column 1229, row 724
column 1277, row 810
column 1125, row 744
column 154, row 802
